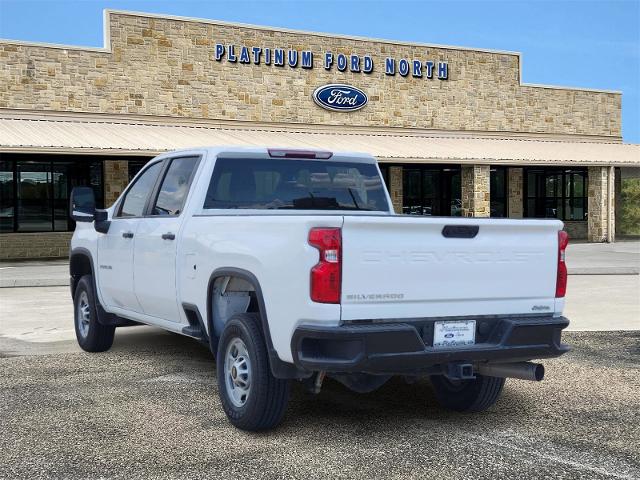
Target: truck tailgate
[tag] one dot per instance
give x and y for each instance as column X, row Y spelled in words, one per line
column 404, row 267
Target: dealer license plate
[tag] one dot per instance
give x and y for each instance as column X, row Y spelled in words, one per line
column 454, row 334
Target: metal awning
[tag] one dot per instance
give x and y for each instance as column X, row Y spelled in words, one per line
column 93, row 135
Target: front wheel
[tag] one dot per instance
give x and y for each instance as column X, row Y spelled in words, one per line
column 474, row 395
column 91, row 334
column 251, row 396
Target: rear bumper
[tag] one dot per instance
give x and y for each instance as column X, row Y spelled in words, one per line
column 404, row 348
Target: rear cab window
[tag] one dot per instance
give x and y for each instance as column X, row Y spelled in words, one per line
column 295, row 184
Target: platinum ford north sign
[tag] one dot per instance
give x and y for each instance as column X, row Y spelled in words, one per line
column 340, row 98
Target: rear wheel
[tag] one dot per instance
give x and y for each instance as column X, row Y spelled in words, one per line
column 467, row 395
column 91, row 334
column 251, row 396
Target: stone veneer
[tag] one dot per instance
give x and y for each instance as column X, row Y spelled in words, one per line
column 161, row 66
column 598, row 198
column 17, row 246
column 116, row 179
column 475, row 191
column 396, row 188
column 515, row 186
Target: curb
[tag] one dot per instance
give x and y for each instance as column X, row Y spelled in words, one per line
column 45, row 282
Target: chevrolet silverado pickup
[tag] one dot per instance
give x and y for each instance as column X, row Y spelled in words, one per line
column 290, row 265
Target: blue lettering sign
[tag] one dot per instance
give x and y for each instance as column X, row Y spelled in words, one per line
column 256, row 55
column 355, row 63
column 244, row 55
column 219, row 51
column 417, row 68
column 390, row 66
column 278, row 57
column 342, row 62
column 403, row 67
column 293, row 58
column 340, row 98
column 368, row 64
column 307, row 59
column 443, row 70
column 429, row 66
column 328, row 60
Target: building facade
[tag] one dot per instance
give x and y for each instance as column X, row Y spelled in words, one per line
column 455, row 130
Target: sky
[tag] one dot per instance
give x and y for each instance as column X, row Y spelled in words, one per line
column 577, row 43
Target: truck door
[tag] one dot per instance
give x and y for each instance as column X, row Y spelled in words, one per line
column 155, row 252
column 115, row 248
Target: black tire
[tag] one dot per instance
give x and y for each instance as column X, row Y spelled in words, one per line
column 266, row 401
column 92, row 335
column 467, row 395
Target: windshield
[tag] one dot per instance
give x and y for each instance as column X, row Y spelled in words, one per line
column 295, row 184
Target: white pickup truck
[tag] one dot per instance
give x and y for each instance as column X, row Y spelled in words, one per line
column 291, row 265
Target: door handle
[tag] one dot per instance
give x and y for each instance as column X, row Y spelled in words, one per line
column 127, row 234
column 168, row 236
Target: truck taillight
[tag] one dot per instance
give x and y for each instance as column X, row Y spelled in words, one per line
column 326, row 275
column 561, row 281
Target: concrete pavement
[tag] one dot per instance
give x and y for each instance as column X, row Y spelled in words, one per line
column 150, row 409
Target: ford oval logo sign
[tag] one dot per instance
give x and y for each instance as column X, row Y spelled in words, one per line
column 340, row 98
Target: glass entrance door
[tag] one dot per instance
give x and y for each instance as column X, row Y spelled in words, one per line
column 431, row 190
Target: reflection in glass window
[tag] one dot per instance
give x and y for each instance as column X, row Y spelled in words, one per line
column 175, row 186
column 498, row 191
column 556, row 193
column 295, row 184
column 136, row 197
column 431, row 190
column 7, row 203
column 34, row 197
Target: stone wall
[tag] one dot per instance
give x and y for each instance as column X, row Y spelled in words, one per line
column 19, row 246
column 116, row 179
column 396, row 188
column 167, row 67
column 577, row 230
column 475, row 191
column 599, row 206
column 515, row 188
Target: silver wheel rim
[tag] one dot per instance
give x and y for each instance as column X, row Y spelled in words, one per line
column 84, row 314
column 237, row 372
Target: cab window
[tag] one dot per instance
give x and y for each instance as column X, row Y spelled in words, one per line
column 136, row 198
column 175, row 186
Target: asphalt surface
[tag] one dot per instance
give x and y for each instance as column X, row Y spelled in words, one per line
column 150, row 410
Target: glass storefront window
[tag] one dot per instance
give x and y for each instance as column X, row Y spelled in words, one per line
column 35, row 189
column 498, row 191
column 7, row 199
column 431, row 190
column 556, row 193
column 34, row 197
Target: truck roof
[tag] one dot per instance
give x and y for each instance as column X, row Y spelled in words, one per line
column 275, row 152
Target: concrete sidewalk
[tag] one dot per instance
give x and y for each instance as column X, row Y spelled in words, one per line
column 621, row 258
column 37, row 273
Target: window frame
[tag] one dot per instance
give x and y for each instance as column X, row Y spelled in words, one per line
column 243, row 211
column 564, row 195
column 504, row 198
column 51, row 161
column 117, row 213
column 443, row 195
column 155, row 192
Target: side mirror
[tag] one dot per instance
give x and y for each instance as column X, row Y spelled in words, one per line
column 82, row 204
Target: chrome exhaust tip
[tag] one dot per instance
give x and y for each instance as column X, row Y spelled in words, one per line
column 522, row 370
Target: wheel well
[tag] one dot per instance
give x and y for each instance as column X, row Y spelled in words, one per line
column 79, row 265
column 230, row 295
